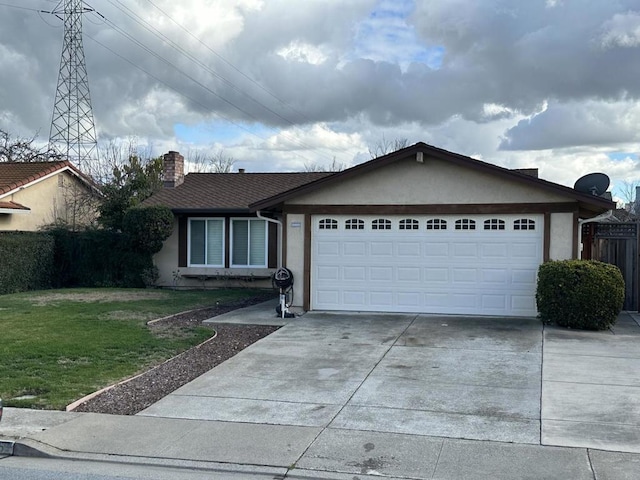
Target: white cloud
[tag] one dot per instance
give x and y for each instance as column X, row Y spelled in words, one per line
column 622, row 30
column 303, row 52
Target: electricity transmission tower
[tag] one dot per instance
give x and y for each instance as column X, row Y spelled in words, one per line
column 72, row 133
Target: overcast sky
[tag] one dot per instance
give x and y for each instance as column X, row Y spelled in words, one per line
column 280, row 84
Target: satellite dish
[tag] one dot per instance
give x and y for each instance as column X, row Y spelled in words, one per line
column 593, row 183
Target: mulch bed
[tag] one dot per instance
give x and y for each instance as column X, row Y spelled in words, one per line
column 139, row 393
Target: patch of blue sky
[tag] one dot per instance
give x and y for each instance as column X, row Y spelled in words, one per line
column 219, row 131
column 622, row 155
column 385, row 35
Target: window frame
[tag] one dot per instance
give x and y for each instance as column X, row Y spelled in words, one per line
column 409, row 224
column 524, row 224
column 223, row 246
column 437, row 224
column 231, row 242
column 465, row 224
column 494, row 224
column 381, row 224
column 354, row 224
column 327, row 223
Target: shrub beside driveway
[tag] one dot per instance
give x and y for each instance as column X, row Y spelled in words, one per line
column 583, row 294
column 59, row 345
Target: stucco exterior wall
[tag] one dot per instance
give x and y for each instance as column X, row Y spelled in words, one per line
column 60, row 197
column 295, row 231
column 561, row 242
column 432, row 182
column 167, row 258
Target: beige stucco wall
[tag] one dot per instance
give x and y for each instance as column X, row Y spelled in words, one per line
column 561, row 245
column 167, row 258
column 432, row 182
column 295, row 231
column 60, row 197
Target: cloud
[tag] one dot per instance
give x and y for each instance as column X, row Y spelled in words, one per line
column 623, row 30
column 284, row 82
column 572, row 124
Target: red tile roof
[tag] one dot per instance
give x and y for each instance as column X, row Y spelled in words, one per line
column 13, row 206
column 15, row 175
column 228, row 191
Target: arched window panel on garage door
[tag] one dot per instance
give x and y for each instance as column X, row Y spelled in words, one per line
column 328, row 224
column 409, row 224
column 465, row 224
column 436, row 224
column 381, row 224
column 494, row 224
column 524, row 224
column 354, row 224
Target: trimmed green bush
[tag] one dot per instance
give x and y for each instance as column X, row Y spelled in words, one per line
column 147, row 227
column 26, row 261
column 581, row 294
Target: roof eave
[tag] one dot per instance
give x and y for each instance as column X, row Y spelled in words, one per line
column 589, row 201
column 212, row 211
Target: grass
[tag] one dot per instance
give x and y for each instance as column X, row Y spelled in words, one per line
column 58, row 345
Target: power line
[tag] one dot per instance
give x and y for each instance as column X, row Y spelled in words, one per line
column 178, row 48
column 242, row 127
column 167, row 62
column 171, row 87
column 227, row 62
column 24, row 8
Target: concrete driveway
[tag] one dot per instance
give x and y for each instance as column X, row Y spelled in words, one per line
column 501, row 379
column 337, row 396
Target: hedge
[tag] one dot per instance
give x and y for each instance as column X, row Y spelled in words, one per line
column 97, row 258
column 583, row 294
column 26, row 261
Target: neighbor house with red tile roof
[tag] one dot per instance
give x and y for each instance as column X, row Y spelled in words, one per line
column 36, row 194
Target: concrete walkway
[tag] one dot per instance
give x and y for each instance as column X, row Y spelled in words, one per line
column 397, row 395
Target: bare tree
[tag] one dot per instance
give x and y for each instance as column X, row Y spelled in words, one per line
column 628, row 190
column 19, row 149
column 217, row 162
column 115, row 155
column 384, row 146
column 334, row 166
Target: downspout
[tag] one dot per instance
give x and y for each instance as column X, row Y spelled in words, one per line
column 280, row 234
column 604, row 216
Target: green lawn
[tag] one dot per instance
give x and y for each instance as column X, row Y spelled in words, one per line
column 58, row 345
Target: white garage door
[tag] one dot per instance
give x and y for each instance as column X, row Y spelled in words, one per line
column 473, row 264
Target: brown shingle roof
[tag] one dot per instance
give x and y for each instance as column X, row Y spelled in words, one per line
column 228, row 191
column 16, row 175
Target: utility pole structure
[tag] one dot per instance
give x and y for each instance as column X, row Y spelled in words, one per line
column 72, row 133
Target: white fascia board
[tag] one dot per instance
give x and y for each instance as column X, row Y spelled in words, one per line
column 13, row 211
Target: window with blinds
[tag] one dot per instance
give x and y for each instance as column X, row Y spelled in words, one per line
column 248, row 243
column 206, row 242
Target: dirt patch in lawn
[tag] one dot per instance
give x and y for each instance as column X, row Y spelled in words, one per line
column 93, row 297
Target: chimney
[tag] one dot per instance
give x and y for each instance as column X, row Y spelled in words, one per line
column 241, row 170
column 173, row 169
